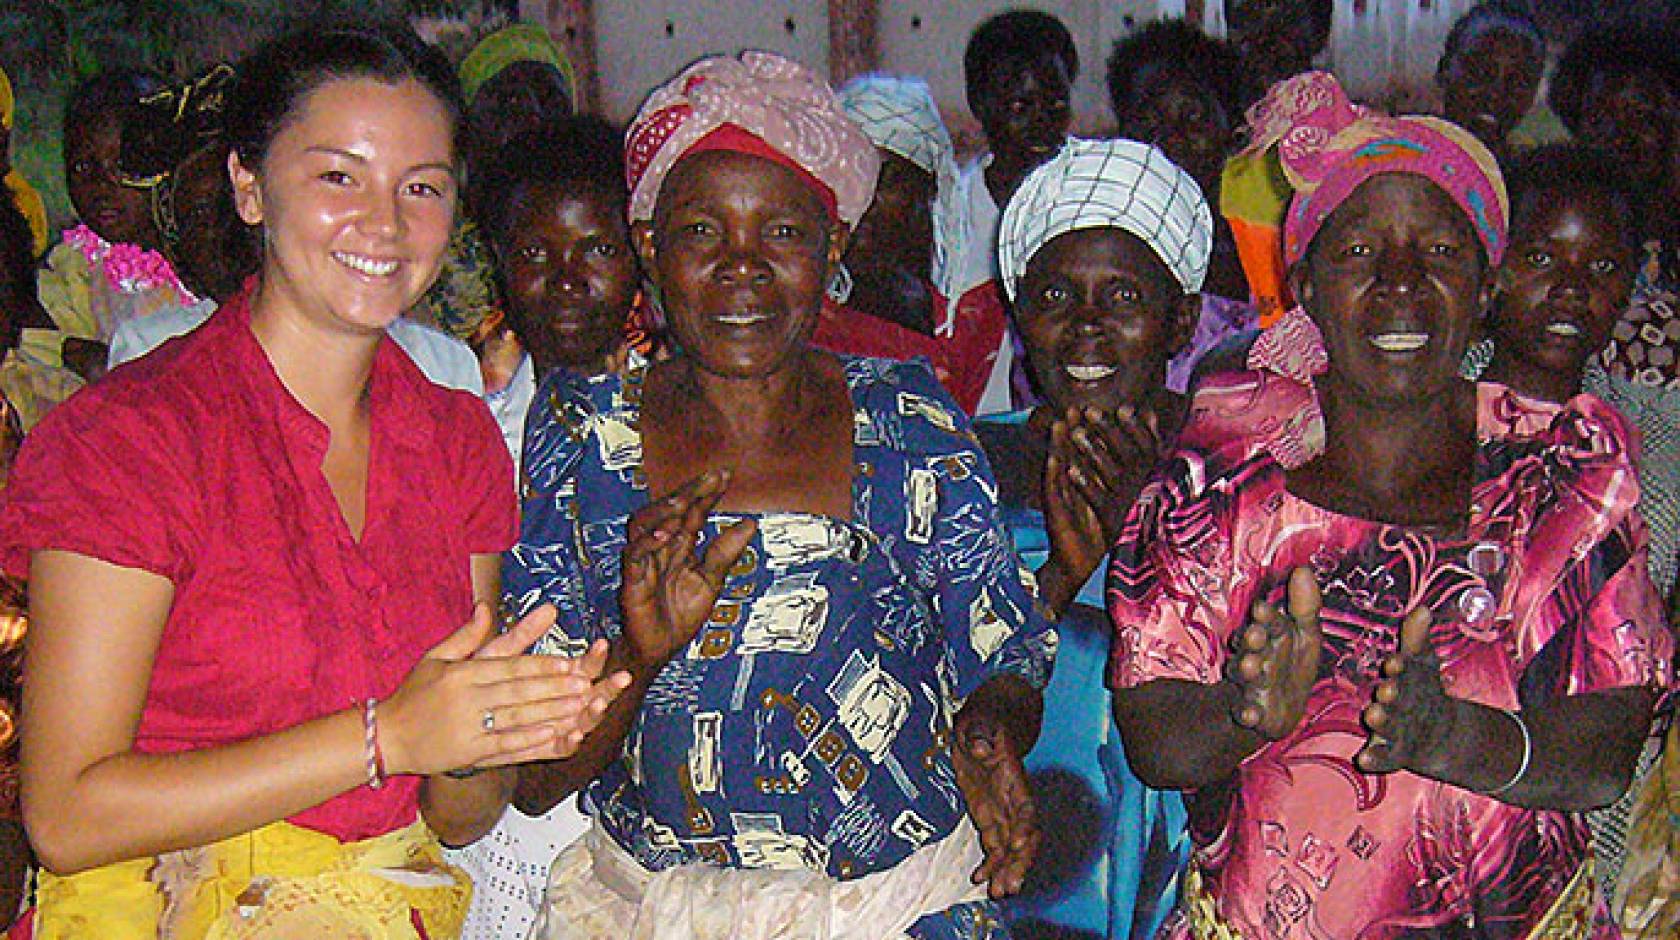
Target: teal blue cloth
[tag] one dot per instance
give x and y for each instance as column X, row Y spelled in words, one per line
column 1118, row 879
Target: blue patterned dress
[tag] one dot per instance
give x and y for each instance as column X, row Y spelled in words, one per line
column 807, row 723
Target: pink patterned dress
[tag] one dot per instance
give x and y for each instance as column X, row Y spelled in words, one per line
column 1545, row 591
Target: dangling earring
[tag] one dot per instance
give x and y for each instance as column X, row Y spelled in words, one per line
column 840, row 285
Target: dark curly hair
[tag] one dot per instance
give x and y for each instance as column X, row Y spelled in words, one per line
column 1182, row 47
column 1008, row 40
column 580, row 151
column 1512, row 15
column 1616, row 50
column 112, row 92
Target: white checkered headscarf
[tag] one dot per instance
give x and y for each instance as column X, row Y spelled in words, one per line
column 899, row 116
column 1120, row 184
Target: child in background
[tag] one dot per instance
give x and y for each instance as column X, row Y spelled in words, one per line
column 1172, row 86
column 1017, row 70
column 1490, row 72
column 553, row 212
column 110, row 268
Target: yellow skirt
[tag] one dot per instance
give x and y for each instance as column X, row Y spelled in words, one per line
column 281, row 882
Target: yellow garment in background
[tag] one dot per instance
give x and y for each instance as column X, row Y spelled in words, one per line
column 1647, row 901
column 29, row 203
column 1253, row 196
column 281, row 882
column 33, row 378
column 62, row 286
column 27, row 199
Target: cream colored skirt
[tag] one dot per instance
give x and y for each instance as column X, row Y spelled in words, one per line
column 598, row 890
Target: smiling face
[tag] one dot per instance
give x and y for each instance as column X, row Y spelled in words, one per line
column 118, row 213
column 1563, row 283
column 570, row 273
column 1488, row 87
column 1100, row 314
column 1394, row 281
column 1025, row 113
column 742, row 250
column 356, row 196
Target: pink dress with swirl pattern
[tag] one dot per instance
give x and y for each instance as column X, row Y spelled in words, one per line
column 1544, row 594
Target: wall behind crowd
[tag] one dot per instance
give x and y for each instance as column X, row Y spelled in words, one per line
column 1384, row 50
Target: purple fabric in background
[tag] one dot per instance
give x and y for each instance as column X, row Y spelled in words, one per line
column 1221, row 318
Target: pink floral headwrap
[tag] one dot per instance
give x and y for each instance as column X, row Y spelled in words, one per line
column 1329, row 146
column 760, row 104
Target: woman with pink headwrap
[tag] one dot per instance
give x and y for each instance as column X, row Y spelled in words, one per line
column 1391, row 630
column 798, row 557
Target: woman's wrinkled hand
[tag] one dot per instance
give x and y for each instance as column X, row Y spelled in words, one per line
column 994, row 785
column 1274, row 660
column 1096, row 466
column 1411, row 717
column 476, row 701
column 669, row 590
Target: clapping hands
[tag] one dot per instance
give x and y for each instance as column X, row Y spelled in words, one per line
column 477, row 701
column 1274, row 660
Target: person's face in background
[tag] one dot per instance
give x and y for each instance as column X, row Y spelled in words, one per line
column 1276, row 38
column 118, row 213
column 1183, row 117
column 890, row 254
column 1025, row 113
column 1564, row 280
column 1633, row 117
column 1491, row 83
column 571, row 275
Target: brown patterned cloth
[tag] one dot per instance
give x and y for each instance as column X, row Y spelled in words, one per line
column 1644, row 346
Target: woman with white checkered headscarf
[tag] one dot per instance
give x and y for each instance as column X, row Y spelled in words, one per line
column 1102, row 251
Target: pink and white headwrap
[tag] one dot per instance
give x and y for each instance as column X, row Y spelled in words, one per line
column 1329, row 146
column 762, row 104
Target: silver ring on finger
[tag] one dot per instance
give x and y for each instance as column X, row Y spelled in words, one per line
column 487, row 721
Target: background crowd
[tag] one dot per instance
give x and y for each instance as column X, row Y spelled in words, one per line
column 432, row 510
